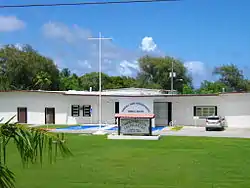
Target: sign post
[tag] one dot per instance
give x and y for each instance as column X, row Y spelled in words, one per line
column 134, row 126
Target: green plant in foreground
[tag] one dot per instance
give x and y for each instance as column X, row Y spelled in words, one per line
column 31, row 144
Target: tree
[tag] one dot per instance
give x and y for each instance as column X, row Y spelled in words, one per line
column 92, row 80
column 69, row 81
column 155, row 71
column 30, row 143
column 21, row 67
column 65, row 73
column 187, row 89
column 212, row 87
column 232, row 77
column 42, row 81
column 117, row 82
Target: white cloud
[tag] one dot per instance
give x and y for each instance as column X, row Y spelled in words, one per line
column 82, row 55
column 10, row 23
column 61, row 31
column 199, row 71
column 195, row 67
column 84, row 64
column 126, row 68
column 19, row 46
column 77, row 53
column 148, row 44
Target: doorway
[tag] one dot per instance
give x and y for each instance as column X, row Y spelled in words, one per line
column 49, row 115
column 22, row 114
column 163, row 113
column 116, row 110
column 117, row 107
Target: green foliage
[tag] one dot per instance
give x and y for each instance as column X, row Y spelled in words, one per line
column 232, row 77
column 92, row 80
column 155, row 71
column 42, row 81
column 187, row 89
column 7, row 178
column 212, row 87
column 26, row 69
column 30, row 143
column 69, row 81
column 117, row 82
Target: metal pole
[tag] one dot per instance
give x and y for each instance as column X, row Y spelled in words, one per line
column 100, row 38
column 100, row 79
column 172, row 78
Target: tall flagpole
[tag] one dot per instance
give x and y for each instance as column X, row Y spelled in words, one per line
column 100, row 38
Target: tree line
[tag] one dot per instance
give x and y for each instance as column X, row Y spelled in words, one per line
column 27, row 69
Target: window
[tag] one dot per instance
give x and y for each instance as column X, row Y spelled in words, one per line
column 87, row 110
column 205, row 111
column 75, row 110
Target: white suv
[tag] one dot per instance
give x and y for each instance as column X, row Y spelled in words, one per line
column 215, row 122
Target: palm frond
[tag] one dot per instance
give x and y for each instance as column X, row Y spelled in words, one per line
column 31, row 144
column 7, row 178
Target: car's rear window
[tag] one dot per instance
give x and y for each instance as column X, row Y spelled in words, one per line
column 213, row 118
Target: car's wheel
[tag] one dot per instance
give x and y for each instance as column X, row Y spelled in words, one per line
column 207, row 129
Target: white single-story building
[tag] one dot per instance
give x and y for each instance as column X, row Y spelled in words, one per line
column 82, row 107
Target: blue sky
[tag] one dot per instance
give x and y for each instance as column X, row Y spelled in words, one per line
column 203, row 34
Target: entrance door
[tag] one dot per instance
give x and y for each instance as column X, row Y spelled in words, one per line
column 116, row 110
column 161, row 113
column 22, row 114
column 49, row 115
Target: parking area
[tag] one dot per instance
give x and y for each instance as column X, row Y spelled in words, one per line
column 200, row 131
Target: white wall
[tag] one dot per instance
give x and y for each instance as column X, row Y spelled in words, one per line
column 182, row 108
column 81, row 100
column 108, row 109
column 236, row 109
column 35, row 103
column 140, row 105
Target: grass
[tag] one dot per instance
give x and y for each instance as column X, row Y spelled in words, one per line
column 173, row 162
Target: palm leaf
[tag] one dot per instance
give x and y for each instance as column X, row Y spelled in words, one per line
column 7, row 178
column 31, row 143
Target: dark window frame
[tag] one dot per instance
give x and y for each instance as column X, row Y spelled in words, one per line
column 203, row 115
column 86, row 111
column 75, row 108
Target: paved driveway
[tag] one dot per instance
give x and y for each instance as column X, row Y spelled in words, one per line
column 200, row 131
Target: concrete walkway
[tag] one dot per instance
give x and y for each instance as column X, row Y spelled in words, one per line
column 200, row 131
column 185, row 131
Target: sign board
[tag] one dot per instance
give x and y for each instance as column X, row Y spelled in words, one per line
column 131, row 106
column 134, row 126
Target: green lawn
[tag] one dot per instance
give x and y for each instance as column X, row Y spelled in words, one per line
column 171, row 162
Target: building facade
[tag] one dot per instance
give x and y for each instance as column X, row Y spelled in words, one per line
column 82, row 107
